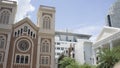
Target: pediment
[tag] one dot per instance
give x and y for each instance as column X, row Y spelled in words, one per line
column 25, row 27
column 25, row 22
column 106, row 32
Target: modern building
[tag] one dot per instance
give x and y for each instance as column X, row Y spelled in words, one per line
column 24, row 44
column 74, row 45
column 113, row 16
column 83, row 52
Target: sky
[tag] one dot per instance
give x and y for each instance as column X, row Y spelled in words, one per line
column 78, row 16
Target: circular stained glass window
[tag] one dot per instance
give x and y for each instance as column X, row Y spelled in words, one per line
column 23, row 45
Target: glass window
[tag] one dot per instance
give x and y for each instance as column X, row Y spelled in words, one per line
column 46, row 23
column 17, row 59
column 62, row 48
column 26, row 59
column 58, row 48
column 58, row 53
column 22, row 59
column 45, row 46
column 23, row 45
column 45, row 60
column 58, row 43
column 2, row 42
column 4, row 17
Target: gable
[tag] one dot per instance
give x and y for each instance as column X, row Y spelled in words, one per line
column 106, row 32
column 28, row 21
column 25, row 26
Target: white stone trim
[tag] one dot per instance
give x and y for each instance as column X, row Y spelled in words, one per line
column 14, row 50
column 7, row 50
column 38, row 53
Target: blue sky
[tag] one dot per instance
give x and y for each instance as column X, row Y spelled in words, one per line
column 80, row 16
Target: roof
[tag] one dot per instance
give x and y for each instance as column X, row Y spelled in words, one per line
column 72, row 34
column 26, row 20
column 106, row 32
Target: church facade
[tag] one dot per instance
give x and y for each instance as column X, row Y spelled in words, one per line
column 24, row 44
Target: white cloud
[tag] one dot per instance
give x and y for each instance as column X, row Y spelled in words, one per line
column 91, row 30
column 23, row 8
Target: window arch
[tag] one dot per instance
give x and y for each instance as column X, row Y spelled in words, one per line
column 2, row 42
column 4, row 17
column 45, row 47
column 46, row 22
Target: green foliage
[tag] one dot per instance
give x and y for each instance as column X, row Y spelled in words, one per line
column 86, row 66
column 71, row 63
column 66, row 62
column 108, row 58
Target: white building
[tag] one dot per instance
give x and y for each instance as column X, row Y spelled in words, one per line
column 113, row 16
column 82, row 51
column 109, row 37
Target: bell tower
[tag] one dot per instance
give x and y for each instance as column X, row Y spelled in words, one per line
column 7, row 12
column 7, row 17
column 46, row 24
column 46, row 19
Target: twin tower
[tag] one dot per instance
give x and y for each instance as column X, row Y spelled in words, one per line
column 24, row 44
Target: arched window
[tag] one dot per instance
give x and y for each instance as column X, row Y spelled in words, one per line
column 2, row 42
column 17, row 59
column 46, row 23
column 4, row 17
column 22, row 59
column 45, row 47
column 26, row 59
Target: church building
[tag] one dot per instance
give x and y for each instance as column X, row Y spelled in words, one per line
column 24, row 44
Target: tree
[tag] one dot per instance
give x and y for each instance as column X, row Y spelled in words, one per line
column 67, row 62
column 108, row 57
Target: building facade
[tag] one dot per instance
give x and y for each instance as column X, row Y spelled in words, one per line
column 113, row 16
column 74, row 45
column 107, row 39
column 24, row 44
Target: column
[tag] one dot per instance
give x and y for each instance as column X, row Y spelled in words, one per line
column 111, row 45
column 38, row 53
column 7, row 50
